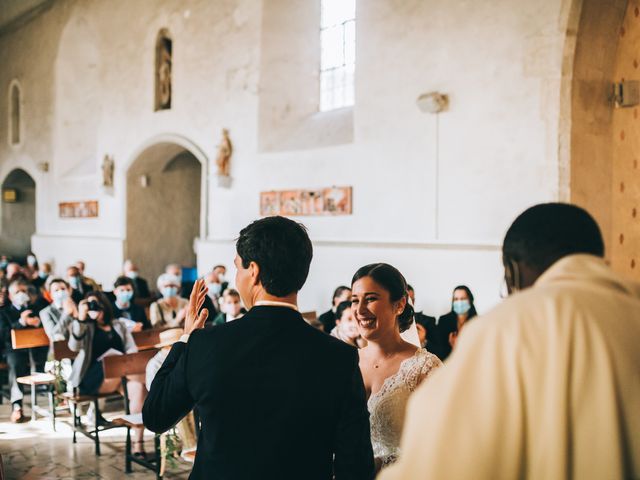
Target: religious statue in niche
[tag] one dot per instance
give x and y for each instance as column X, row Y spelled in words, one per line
column 225, row 150
column 163, row 72
column 108, row 167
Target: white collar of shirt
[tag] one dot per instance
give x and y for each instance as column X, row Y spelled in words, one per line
column 268, row 303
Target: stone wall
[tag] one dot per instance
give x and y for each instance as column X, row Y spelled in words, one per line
column 433, row 195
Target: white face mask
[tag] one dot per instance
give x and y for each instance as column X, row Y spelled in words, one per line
column 20, row 299
column 31, row 260
column 222, row 277
column 93, row 315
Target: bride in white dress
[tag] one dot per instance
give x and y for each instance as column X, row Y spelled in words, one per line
column 391, row 367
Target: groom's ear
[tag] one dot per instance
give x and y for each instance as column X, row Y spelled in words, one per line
column 254, row 272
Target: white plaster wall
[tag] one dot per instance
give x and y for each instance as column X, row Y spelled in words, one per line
column 499, row 61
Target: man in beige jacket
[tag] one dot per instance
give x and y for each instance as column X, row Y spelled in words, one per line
column 546, row 385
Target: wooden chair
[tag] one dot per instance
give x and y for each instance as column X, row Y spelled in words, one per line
column 119, row 366
column 147, row 339
column 31, row 338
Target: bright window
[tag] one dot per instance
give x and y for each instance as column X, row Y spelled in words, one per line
column 337, row 53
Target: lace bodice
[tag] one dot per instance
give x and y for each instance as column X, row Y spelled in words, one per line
column 387, row 406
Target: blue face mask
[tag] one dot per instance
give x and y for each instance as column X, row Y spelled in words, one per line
column 215, row 289
column 169, row 292
column 74, row 282
column 43, row 275
column 461, row 306
column 124, row 297
column 59, row 296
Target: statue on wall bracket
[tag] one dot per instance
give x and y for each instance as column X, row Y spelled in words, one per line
column 223, row 160
column 108, row 167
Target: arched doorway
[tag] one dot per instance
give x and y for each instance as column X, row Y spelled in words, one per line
column 163, row 208
column 604, row 146
column 18, row 214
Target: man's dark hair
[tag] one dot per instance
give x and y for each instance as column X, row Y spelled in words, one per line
column 122, row 280
column 281, row 248
column 339, row 291
column 545, row 233
column 342, row 306
column 55, row 280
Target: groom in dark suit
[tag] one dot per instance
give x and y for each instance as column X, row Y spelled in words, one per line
column 277, row 398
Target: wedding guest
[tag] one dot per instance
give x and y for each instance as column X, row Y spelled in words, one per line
column 552, row 371
column 425, row 324
column 231, row 307
column 57, row 317
column 450, row 324
column 328, row 318
column 346, row 328
column 170, row 310
column 93, row 334
column 81, row 266
column 232, row 371
column 44, row 273
column 31, row 268
column 221, row 272
column 131, row 314
column 19, row 314
column 78, row 288
column 141, row 293
column 392, row 368
column 14, row 272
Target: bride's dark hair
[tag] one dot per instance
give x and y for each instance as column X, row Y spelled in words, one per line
column 389, row 278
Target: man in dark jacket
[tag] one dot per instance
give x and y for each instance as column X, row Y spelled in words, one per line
column 19, row 314
column 277, row 398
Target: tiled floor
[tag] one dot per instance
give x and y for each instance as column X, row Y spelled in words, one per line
column 32, row 450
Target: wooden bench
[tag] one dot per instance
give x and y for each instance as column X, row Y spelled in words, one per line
column 31, row 338
column 147, row 339
column 119, row 366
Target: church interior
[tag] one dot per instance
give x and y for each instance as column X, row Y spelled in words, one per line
column 137, row 140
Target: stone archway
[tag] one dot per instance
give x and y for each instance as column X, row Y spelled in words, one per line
column 18, row 216
column 164, row 201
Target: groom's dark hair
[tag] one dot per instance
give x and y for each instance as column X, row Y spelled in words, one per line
column 281, row 248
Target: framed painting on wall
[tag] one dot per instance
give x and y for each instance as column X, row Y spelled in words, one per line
column 320, row 202
column 88, row 209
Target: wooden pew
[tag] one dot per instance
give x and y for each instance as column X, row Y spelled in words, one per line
column 147, row 339
column 32, row 338
column 119, row 366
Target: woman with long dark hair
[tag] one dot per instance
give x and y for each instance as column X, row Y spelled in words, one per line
column 391, row 367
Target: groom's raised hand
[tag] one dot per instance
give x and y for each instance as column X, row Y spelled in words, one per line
column 193, row 320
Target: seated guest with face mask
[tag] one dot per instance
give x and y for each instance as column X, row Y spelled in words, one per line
column 231, row 307
column 78, row 288
column 141, row 293
column 19, row 314
column 123, row 307
column 450, row 324
column 346, row 328
column 170, row 310
column 57, row 317
column 95, row 334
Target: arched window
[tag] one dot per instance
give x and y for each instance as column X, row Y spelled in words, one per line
column 15, row 107
column 164, row 60
column 337, row 53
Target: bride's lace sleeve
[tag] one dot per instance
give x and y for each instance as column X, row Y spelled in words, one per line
column 425, row 364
